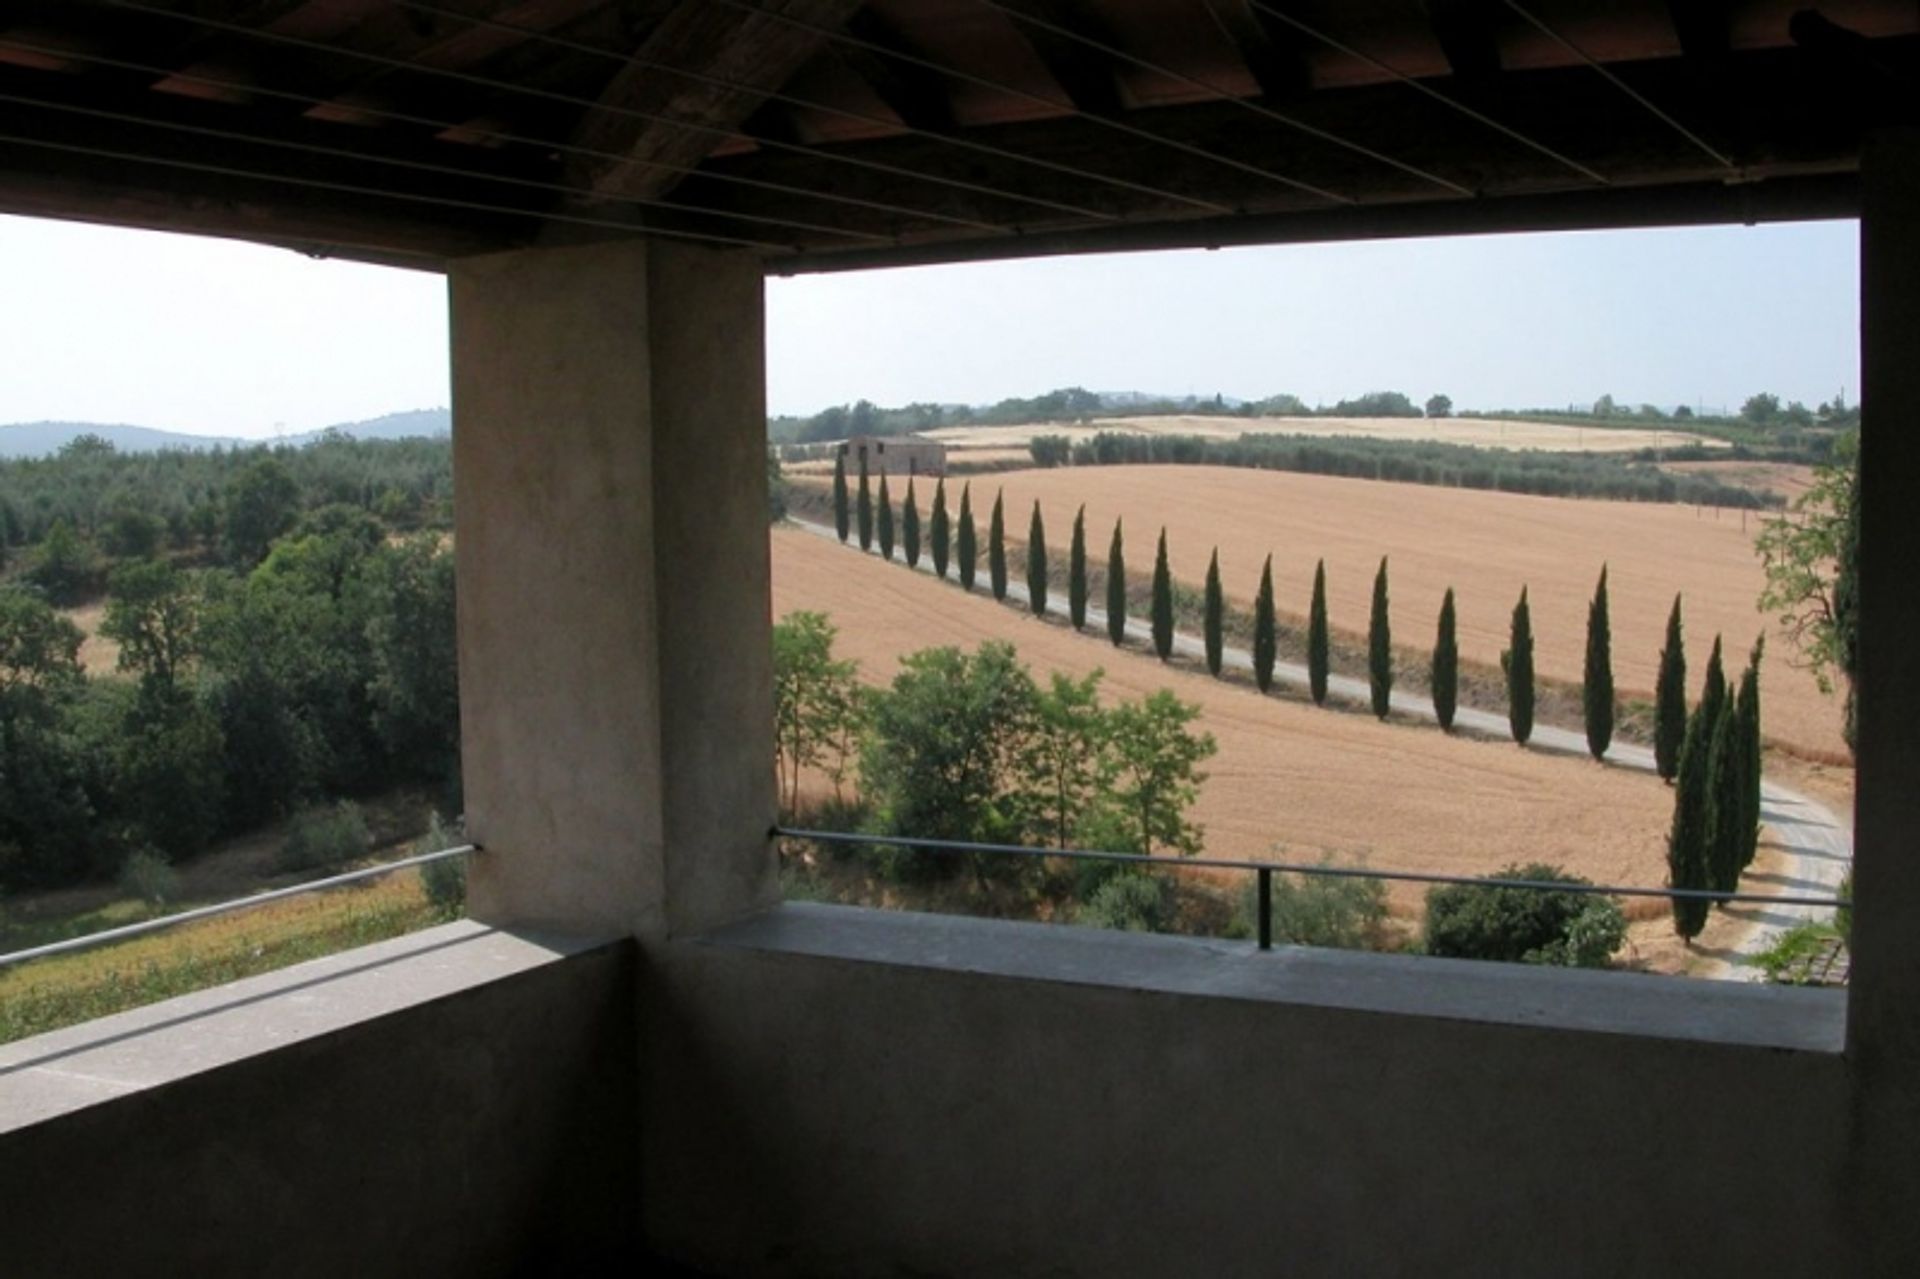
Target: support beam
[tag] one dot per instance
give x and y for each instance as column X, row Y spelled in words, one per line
column 1465, row 30
column 1275, row 53
column 1705, row 27
column 917, row 96
column 727, row 43
column 1084, row 74
column 615, row 651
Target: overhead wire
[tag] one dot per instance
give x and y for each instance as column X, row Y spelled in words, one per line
column 863, row 117
column 1653, row 108
column 607, row 108
column 1424, row 88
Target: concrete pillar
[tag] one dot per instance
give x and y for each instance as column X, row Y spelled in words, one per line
column 610, row 509
column 1884, row 1002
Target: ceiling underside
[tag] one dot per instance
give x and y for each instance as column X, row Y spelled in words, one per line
column 836, row 133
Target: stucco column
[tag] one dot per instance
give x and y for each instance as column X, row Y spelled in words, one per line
column 610, row 510
column 1884, row 1002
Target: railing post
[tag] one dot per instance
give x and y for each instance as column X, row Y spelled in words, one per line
column 1265, row 875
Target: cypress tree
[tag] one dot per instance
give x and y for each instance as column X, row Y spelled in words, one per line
column 886, row 520
column 1713, row 689
column 967, row 552
column 1318, row 648
column 1380, row 646
column 938, row 535
column 1687, row 838
column 1517, row 661
column 1215, row 616
column 1670, row 700
column 1077, row 572
column 1264, row 630
column 1162, row 601
column 1596, row 689
column 841, row 521
column 1116, row 590
column 1747, row 707
column 1446, row 666
column 997, row 549
column 1037, row 564
column 863, row 509
column 910, row 528
column 1726, row 802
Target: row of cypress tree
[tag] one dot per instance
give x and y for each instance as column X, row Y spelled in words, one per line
column 1716, row 801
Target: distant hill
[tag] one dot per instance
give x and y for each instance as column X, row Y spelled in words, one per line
column 39, row 439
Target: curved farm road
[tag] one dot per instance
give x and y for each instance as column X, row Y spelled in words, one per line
column 1818, row 845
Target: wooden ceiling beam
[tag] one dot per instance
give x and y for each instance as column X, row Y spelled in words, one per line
column 917, row 96
column 1276, row 54
column 1468, row 36
column 742, row 48
column 1085, row 75
column 1705, row 27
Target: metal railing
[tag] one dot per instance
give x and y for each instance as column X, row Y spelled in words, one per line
column 1264, row 872
column 108, row 936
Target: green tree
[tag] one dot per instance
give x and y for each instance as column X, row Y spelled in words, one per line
column 1036, row 564
column 863, row 508
column 1380, row 646
column 997, row 548
column 1811, row 559
column 1726, row 801
column 1525, row 925
column 65, row 566
column 1670, row 700
column 1517, row 662
column 1155, row 769
column 1596, row 689
column 153, row 613
column 261, row 503
column 910, row 527
column 1747, row 712
column 967, row 548
column 1215, row 616
column 885, row 520
column 1687, row 837
column 1077, row 571
column 1713, row 688
column 413, row 689
column 1116, row 589
column 1064, row 766
column 816, row 703
column 1162, row 601
column 1439, row 406
column 39, row 649
column 939, row 537
column 1265, row 629
column 840, row 512
column 1446, row 666
column 1318, row 645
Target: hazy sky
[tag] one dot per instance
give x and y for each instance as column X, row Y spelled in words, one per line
column 222, row 338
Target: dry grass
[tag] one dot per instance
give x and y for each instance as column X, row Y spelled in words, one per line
column 1485, row 545
column 1479, row 432
column 1290, row 780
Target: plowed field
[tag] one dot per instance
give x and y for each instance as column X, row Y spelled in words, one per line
column 1484, row 545
column 1290, row 780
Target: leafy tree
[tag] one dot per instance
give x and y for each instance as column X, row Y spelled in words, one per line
column 1380, row 646
column 154, row 616
column 413, row 690
column 1596, row 689
column 1670, row 700
column 939, row 536
column 1162, row 601
column 967, row 547
column 1215, row 618
column 1049, row 450
column 997, row 547
column 1155, row 769
column 1525, row 925
column 1811, row 559
column 1761, row 409
column 885, row 520
column 1037, row 564
column 261, row 503
column 1077, row 571
column 1063, row 767
column 1116, row 589
column 65, row 566
column 1446, row 666
column 1265, row 629
column 1439, row 406
column 840, row 513
column 39, row 649
column 1318, row 646
column 130, row 532
column 910, row 528
column 863, row 508
column 1687, row 866
column 1517, row 662
column 816, row 703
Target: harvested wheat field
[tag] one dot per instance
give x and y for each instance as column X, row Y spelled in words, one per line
column 1484, row 545
column 1546, row 437
column 1290, row 779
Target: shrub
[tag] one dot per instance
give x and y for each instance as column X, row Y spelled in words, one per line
column 1524, row 925
column 1336, row 912
column 325, row 836
column 1133, row 902
column 146, row 875
column 1843, row 917
column 444, row 881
